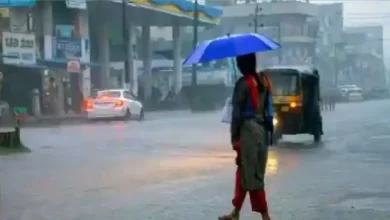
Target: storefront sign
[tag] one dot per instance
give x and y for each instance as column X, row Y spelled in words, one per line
column 65, row 48
column 17, row 3
column 73, row 65
column 77, row 4
column 4, row 12
column 20, row 19
column 64, row 31
column 20, row 48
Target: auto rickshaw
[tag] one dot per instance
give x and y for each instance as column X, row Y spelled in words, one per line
column 296, row 101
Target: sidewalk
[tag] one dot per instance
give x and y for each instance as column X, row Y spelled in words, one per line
column 72, row 119
column 53, row 120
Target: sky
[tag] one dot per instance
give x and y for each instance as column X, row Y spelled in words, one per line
column 367, row 12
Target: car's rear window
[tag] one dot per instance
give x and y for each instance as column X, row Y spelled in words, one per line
column 108, row 94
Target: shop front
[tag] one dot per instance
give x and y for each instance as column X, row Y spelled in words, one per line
column 69, row 66
column 21, row 73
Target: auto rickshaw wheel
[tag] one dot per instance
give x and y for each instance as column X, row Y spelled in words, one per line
column 317, row 137
column 318, row 134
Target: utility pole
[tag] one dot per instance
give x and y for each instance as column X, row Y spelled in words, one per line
column 194, row 44
column 257, row 23
column 336, row 67
column 125, row 37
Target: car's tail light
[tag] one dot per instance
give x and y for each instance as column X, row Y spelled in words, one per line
column 119, row 103
column 88, row 105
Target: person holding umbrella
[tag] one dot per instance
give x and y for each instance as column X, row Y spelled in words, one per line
column 249, row 128
column 251, row 116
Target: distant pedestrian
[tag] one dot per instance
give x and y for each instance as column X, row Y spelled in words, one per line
column 53, row 96
column 327, row 103
column 324, row 103
column 332, row 102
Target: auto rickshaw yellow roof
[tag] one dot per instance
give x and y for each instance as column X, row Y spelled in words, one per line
column 306, row 70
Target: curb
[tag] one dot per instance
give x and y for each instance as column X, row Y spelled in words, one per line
column 77, row 120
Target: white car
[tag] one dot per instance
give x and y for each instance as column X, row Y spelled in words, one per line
column 114, row 103
column 355, row 95
column 352, row 93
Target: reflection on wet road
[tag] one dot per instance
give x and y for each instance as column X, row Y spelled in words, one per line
column 182, row 168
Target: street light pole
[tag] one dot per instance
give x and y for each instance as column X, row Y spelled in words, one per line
column 258, row 10
column 336, row 62
column 194, row 44
column 125, row 37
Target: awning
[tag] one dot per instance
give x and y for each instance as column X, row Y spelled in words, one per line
column 167, row 54
column 61, row 64
column 33, row 66
column 7, row 56
column 52, row 64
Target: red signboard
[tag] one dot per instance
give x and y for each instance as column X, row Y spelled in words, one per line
column 73, row 65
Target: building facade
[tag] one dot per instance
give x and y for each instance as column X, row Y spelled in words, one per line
column 364, row 65
column 330, row 42
column 57, row 40
column 292, row 23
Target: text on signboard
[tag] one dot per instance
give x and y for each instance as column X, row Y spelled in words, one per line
column 15, row 43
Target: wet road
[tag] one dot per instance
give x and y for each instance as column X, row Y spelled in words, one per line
column 181, row 167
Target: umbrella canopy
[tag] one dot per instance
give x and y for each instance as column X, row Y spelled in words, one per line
column 230, row 46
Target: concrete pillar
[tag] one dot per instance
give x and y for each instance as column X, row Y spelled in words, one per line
column 133, row 70
column 59, row 76
column 104, row 54
column 83, row 29
column 47, row 19
column 82, row 26
column 147, row 61
column 47, row 29
column 177, row 65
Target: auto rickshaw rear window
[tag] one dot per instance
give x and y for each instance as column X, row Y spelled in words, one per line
column 284, row 83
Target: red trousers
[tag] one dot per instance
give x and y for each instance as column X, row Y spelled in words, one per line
column 258, row 198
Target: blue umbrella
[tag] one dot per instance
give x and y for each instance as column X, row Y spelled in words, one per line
column 230, row 46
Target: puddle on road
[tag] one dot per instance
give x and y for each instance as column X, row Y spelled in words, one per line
column 127, row 176
column 190, row 165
